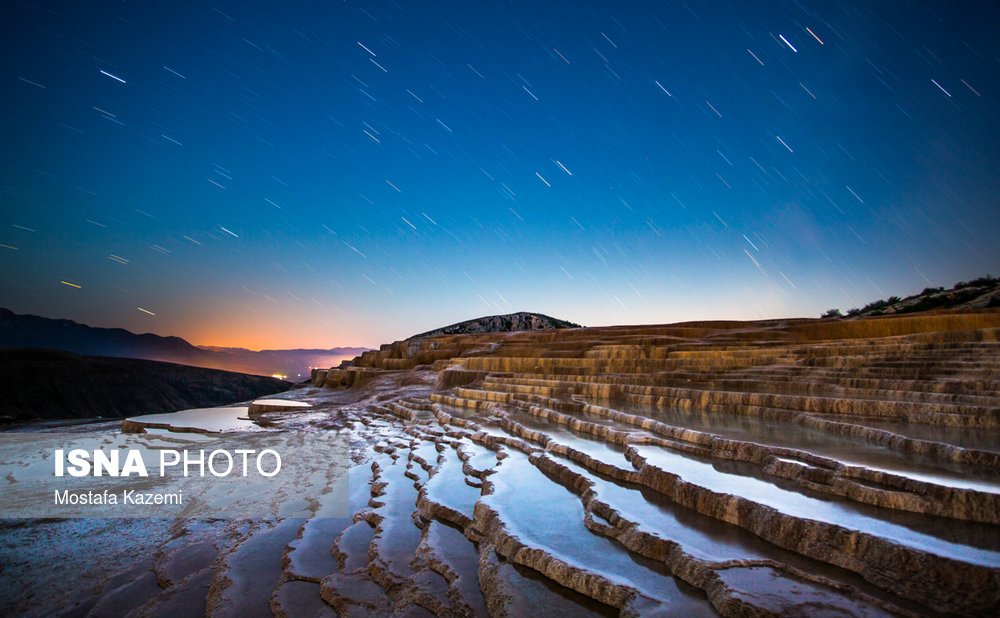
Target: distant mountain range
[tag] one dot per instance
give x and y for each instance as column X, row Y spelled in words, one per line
column 32, row 331
column 510, row 322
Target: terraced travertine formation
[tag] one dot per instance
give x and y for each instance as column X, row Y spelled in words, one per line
column 795, row 467
column 766, row 466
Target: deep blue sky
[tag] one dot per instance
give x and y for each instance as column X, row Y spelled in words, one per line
column 311, row 174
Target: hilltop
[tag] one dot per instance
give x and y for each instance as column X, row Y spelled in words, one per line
column 509, row 323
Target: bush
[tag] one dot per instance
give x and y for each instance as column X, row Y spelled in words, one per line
column 832, row 313
column 853, row 312
column 988, row 280
column 878, row 304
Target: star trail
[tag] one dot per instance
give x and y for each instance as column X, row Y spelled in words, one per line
column 313, row 174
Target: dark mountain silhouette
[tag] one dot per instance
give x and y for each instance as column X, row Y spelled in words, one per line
column 510, row 322
column 32, row 331
column 55, row 384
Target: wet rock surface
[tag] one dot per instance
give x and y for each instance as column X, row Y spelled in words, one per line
column 795, row 467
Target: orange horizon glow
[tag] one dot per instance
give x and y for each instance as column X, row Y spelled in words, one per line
column 268, row 341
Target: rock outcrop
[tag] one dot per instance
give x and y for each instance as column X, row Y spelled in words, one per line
column 511, row 322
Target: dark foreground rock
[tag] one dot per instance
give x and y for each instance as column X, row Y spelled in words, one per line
column 52, row 384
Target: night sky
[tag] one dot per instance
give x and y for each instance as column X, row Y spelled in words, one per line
column 313, row 174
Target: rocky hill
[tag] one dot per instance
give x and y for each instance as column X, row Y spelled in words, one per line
column 512, row 322
column 53, row 384
column 978, row 293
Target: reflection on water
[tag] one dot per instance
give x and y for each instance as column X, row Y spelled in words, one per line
column 847, row 449
column 779, row 594
column 605, row 452
column 204, row 419
column 827, row 509
column 556, row 524
column 967, row 541
column 655, row 514
column 449, row 488
column 966, row 437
